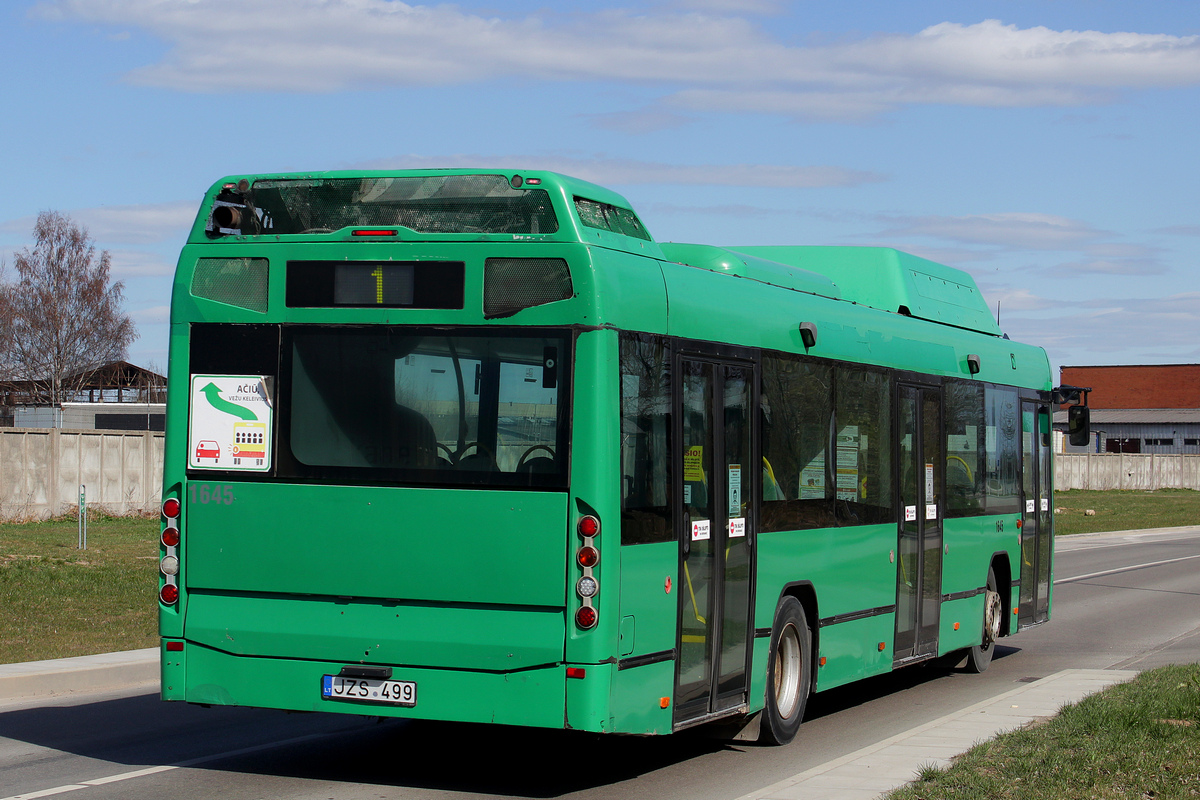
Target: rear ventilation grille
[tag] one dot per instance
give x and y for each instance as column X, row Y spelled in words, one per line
column 240, row 282
column 511, row 284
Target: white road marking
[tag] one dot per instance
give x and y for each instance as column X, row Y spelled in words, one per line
column 137, row 773
column 1123, row 569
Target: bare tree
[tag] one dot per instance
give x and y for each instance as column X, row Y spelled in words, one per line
column 64, row 317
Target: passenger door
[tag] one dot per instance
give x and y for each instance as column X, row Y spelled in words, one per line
column 919, row 548
column 1037, row 532
column 715, row 525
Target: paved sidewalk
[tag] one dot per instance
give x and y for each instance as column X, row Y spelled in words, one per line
column 83, row 674
column 871, row 771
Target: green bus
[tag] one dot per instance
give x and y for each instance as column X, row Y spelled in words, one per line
column 473, row 446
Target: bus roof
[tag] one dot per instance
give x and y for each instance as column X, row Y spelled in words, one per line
column 877, row 277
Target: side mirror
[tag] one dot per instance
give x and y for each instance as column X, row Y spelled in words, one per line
column 1079, row 426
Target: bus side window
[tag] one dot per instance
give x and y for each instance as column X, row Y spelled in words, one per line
column 797, row 415
column 645, row 440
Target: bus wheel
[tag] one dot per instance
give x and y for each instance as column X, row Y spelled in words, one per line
column 980, row 656
column 789, row 674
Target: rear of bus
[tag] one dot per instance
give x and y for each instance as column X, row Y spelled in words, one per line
column 374, row 502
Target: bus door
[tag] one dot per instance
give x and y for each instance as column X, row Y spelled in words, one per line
column 922, row 466
column 1036, row 529
column 715, row 526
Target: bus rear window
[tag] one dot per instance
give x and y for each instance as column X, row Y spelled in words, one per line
column 430, row 407
column 425, row 204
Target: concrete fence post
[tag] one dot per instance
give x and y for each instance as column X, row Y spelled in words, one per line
column 52, row 499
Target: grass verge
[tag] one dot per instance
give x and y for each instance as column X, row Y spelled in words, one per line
column 1124, row 511
column 59, row 601
column 1136, row 740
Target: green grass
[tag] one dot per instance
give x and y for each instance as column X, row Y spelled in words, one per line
column 1124, row 511
column 1138, row 740
column 59, row 601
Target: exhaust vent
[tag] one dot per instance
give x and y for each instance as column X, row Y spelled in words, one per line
column 512, row 284
column 240, row 282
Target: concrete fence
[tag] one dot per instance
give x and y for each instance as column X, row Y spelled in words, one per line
column 1144, row 471
column 41, row 470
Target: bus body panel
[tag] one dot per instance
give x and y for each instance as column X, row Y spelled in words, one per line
column 526, row 697
column 851, row 569
column 851, row 650
column 641, row 698
column 648, row 599
column 970, row 544
column 958, row 622
column 594, row 490
column 344, row 631
column 378, row 542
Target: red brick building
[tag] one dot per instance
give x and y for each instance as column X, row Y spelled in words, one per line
column 1141, row 408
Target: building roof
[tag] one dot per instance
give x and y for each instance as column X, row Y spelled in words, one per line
column 1138, row 416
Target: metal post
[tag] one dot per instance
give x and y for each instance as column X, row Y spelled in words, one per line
column 82, row 517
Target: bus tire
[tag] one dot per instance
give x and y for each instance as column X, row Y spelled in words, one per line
column 980, row 656
column 789, row 674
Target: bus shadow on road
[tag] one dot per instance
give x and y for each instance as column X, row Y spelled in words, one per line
column 133, row 732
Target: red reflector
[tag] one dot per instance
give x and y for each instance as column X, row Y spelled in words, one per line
column 169, row 594
column 585, row 617
column 174, row 647
column 588, row 556
column 589, row 526
column 170, row 507
column 576, row 672
column 170, row 537
column 372, row 233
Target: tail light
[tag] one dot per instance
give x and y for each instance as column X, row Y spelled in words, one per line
column 588, row 586
column 588, row 557
column 585, row 617
column 169, row 564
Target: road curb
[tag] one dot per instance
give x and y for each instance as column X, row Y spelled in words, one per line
column 62, row 676
column 878, row 768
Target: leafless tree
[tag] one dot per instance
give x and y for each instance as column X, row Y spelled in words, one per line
column 64, row 317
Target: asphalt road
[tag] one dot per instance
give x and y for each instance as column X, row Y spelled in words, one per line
column 1128, row 601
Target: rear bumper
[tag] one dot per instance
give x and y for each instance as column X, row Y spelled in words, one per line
column 198, row 674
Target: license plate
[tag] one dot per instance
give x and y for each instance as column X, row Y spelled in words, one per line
column 369, row 690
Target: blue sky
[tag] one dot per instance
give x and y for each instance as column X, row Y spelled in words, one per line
column 1049, row 148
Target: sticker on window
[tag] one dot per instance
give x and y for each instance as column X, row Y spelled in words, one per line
column 230, row 424
column 735, row 488
column 701, row 530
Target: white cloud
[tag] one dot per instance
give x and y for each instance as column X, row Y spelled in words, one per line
column 624, row 172
column 1127, row 266
column 1012, row 231
column 138, row 224
column 1113, row 330
column 139, row 264
column 705, row 59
